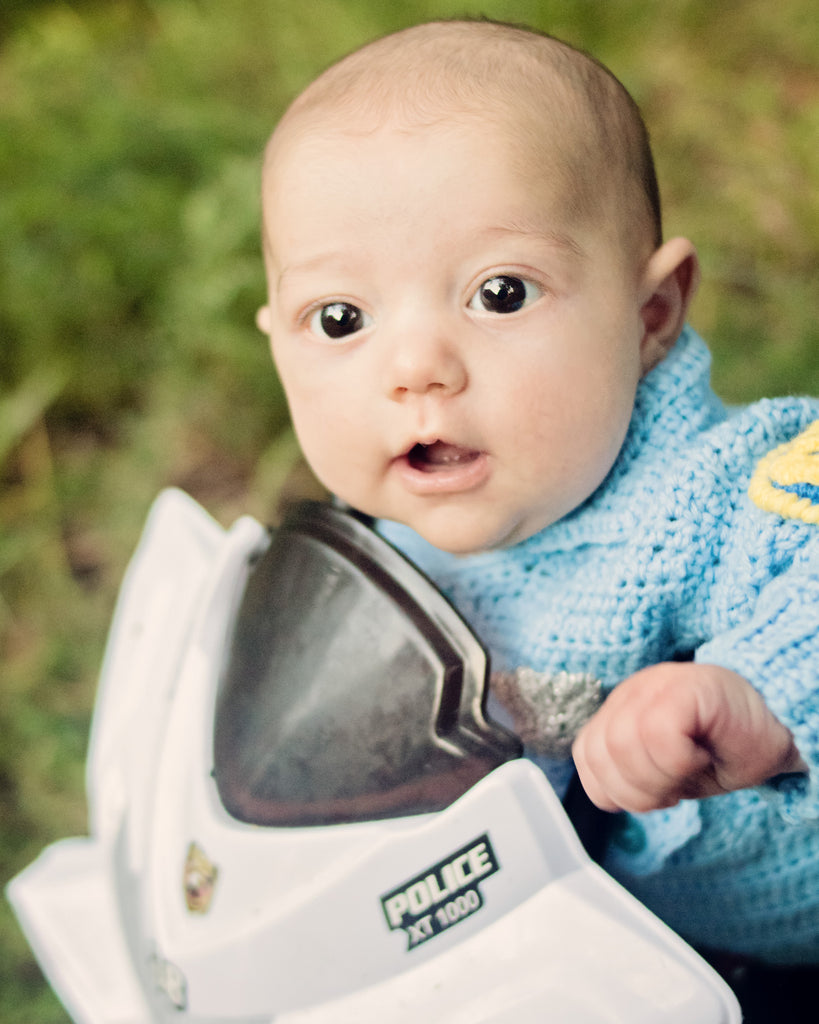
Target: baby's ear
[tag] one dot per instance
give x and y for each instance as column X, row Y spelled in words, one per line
column 263, row 321
column 669, row 282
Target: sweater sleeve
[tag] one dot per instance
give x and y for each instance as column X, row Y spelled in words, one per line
column 765, row 616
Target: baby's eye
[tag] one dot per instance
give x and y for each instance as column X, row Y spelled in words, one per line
column 503, row 294
column 338, row 320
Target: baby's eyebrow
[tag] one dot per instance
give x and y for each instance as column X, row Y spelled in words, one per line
column 533, row 230
column 524, row 229
column 320, row 261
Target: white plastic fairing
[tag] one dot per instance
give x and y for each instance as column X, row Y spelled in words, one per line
column 487, row 912
column 65, row 902
column 158, row 600
column 560, row 957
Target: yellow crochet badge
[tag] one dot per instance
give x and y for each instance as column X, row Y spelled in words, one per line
column 786, row 480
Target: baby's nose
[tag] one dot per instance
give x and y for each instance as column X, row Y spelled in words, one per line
column 430, row 365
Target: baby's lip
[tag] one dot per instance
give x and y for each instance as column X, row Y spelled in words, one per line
column 442, row 467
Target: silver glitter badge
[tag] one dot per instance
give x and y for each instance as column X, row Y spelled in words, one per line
column 548, row 708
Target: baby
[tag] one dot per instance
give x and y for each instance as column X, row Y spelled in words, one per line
column 481, row 333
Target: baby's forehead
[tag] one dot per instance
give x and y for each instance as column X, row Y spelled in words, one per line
column 500, row 166
column 324, row 154
column 555, row 109
column 537, row 137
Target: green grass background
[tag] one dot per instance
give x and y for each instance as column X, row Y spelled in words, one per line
column 130, row 135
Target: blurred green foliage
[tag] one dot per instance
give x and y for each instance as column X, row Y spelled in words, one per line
column 130, row 141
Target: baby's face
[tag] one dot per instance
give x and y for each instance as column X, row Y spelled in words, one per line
column 457, row 354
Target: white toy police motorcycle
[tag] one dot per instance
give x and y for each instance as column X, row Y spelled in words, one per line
column 301, row 813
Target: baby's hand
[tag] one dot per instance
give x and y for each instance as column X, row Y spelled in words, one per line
column 677, row 731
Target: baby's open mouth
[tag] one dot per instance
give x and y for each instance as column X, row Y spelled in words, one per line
column 442, row 468
column 440, row 455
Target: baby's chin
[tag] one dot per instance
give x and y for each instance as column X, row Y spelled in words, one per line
column 460, row 525
column 461, row 537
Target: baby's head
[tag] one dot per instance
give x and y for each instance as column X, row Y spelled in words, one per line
column 466, row 277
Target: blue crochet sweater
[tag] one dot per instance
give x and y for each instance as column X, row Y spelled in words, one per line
column 671, row 557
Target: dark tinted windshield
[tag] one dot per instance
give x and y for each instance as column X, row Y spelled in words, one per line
column 352, row 690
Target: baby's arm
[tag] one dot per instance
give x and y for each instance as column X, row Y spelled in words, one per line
column 677, row 731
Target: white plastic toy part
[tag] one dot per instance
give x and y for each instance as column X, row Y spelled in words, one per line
column 488, row 912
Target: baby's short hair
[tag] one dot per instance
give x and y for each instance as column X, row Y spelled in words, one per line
column 538, row 87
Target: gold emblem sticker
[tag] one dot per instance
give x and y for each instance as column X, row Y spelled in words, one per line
column 786, row 480
column 200, row 880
